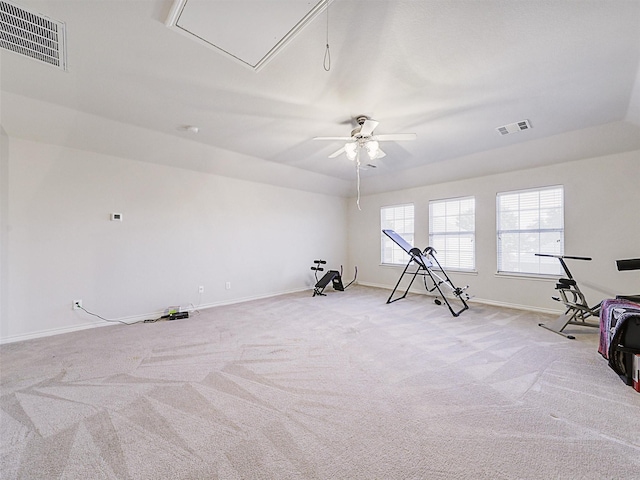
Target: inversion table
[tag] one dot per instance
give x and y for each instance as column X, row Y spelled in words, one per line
column 426, row 262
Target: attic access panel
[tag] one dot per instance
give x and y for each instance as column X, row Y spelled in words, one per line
column 249, row 31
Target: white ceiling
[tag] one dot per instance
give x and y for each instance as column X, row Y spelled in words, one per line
column 450, row 71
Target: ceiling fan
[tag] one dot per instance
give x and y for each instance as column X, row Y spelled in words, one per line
column 362, row 137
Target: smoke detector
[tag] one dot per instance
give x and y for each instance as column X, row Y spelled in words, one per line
column 32, row 35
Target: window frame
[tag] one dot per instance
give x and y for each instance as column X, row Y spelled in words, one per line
column 452, row 236
column 388, row 245
column 544, row 266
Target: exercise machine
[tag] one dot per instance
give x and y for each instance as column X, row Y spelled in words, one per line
column 577, row 309
column 426, row 264
column 332, row 276
column 629, row 264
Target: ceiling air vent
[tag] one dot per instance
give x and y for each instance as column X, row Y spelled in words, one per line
column 32, row 35
column 514, row 127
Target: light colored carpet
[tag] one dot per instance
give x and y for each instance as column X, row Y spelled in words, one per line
column 336, row 387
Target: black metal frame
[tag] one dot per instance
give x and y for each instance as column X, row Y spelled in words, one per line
column 425, row 267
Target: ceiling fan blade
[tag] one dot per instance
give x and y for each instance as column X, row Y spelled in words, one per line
column 368, row 127
column 380, row 154
column 342, row 139
column 395, row 137
column 337, row 153
column 368, row 166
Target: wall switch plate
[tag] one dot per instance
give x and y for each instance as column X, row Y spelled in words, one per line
column 201, row 289
column 227, row 286
column 76, row 304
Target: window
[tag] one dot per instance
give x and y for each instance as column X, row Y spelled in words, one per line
column 530, row 222
column 399, row 219
column 452, row 232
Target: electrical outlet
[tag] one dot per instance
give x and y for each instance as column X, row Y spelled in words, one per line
column 77, row 304
column 227, row 286
column 201, row 289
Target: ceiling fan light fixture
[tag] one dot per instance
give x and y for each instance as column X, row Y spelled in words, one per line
column 350, row 149
column 373, row 148
column 362, row 137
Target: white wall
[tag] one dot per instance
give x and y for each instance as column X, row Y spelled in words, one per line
column 602, row 201
column 180, row 229
column 183, row 229
column 4, row 209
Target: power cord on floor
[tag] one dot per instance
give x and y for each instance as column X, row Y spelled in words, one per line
column 118, row 321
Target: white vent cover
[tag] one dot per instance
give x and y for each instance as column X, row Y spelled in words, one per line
column 514, row 127
column 32, row 34
column 248, row 31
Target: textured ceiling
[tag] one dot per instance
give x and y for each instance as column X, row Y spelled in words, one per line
column 449, row 71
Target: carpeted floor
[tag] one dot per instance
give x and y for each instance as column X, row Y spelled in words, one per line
column 336, row 387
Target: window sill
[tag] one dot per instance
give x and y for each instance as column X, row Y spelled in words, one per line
column 462, row 272
column 449, row 270
column 529, row 276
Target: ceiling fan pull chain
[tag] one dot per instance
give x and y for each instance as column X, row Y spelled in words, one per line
column 358, row 177
column 327, row 59
column 327, row 53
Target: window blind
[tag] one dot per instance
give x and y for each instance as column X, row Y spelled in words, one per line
column 530, row 222
column 452, row 232
column 399, row 218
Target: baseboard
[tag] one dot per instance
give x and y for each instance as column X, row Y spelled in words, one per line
column 51, row 332
column 137, row 318
column 234, row 301
column 515, row 306
column 483, row 301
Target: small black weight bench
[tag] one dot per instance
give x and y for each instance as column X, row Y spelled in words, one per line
column 332, row 276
